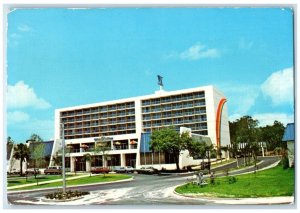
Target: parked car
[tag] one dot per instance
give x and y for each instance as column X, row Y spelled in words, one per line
column 119, row 169
column 147, row 170
column 129, row 169
column 98, row 170
column 123, row 169
column 32, row 171
column 13, row 172
column 53, row 170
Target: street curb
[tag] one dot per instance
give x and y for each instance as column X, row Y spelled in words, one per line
column 241, row 201
column 50, row 188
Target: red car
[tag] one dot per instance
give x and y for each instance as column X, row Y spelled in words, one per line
column 98, row 170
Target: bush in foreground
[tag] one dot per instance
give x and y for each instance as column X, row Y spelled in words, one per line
column 68, row 195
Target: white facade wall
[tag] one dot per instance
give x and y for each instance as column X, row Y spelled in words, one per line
column 225, row 135
column 291, row 152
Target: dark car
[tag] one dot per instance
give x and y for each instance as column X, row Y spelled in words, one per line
column 98, row 170
column 52, row 170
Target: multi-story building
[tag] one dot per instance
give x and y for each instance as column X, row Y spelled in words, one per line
column 126, row 125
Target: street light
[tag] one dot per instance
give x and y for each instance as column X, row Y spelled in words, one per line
column 63, row 157
column 34, row 160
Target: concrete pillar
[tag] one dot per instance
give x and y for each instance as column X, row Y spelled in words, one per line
column 104, row 162
column 123, row 160
column 88, row 166
column 72, row 164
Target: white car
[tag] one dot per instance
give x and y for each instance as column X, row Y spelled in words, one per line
column 129, row 169
column 123, row 169
column 13, row 172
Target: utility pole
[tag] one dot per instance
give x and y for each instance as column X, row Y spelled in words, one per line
column 63, row 157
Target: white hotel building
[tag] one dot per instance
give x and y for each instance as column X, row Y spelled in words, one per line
column 127, row 125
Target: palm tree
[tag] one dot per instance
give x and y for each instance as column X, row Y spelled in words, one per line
column 21, row 152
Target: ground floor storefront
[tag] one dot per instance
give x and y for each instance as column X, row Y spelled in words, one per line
column 135, row 160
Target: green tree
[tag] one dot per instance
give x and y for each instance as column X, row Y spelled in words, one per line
column 57, row 159
column 36, row 138
column 21, row 152
column 245, row 130
column 102, row 147
column 199, row 149
column 170, row 141
column 37, row 154
column 272, row 135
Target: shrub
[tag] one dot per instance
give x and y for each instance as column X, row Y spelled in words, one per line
column 285, row 163
column 212, row 179
column 68, row 195
column 226, row 172
column 232, row 179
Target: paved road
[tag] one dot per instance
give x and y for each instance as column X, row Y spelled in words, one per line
column 143, row 190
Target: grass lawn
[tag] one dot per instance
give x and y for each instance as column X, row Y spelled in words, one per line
column 22, row 180
column 268, row 183
column 80, row 181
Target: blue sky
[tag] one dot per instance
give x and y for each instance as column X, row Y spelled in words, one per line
column 64, row 57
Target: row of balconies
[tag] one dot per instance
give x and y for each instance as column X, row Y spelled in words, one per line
column 171, row 107
column 172, row 115
column 101, row 123
column 167, row 123
column 177, row 98
column 90, row 118
column 97, row 110
column 195, row 129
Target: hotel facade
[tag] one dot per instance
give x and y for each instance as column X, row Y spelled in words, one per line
column 125, row 125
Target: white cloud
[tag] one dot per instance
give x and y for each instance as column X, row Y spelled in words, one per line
column 21, row 95
column 279, row 87
column 198, row 51
column 194, row 52
column 269, row 118
column 17, row 117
